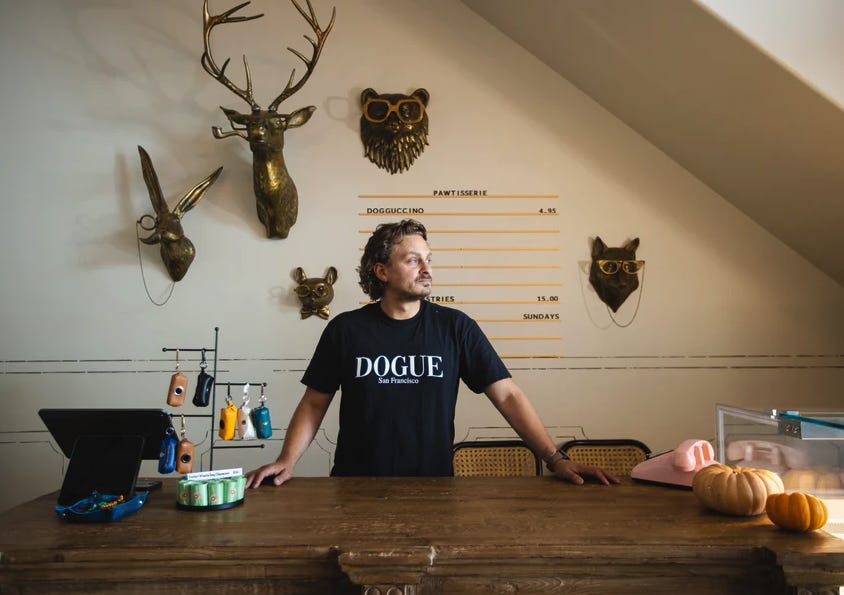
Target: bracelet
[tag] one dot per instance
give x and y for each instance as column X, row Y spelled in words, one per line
column 559, row 455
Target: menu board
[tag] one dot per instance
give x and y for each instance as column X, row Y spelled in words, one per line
column 495, row 256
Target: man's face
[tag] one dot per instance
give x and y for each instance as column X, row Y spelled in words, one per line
column 408, row 274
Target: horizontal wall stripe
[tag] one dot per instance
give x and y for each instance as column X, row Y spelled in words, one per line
column 560, row 362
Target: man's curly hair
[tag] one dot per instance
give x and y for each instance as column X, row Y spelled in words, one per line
column 379, row 248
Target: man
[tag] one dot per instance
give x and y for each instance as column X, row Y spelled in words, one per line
column 398, row 362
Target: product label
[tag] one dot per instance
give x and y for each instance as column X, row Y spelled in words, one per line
column 218, row 474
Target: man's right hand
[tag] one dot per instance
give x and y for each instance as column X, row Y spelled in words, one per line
column 273, row 474
column 303, row 427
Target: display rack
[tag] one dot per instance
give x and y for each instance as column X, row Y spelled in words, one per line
column 212, row 415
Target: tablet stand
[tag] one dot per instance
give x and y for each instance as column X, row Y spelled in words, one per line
column 106, row 464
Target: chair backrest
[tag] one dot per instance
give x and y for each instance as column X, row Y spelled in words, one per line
column 618, row 456
column 495, row 458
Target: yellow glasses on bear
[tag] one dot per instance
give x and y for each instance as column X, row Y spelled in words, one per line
column 611, row 267
column 409, row 110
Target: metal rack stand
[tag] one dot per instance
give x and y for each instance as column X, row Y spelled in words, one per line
column 211, row 416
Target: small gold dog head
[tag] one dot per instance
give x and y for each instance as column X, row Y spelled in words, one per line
column 315, row 293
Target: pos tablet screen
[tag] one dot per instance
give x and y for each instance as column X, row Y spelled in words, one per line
column 105, row 447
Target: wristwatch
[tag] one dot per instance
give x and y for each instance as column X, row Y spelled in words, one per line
column 558, row 455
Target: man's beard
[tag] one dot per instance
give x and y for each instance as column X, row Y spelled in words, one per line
column 393, row 152
column 417, row 293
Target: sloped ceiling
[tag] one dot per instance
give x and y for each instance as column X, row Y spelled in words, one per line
column 727, row 112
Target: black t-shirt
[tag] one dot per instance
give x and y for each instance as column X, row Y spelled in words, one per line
column 399, row 381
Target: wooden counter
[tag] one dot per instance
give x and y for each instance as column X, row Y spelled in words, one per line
column 417, row 536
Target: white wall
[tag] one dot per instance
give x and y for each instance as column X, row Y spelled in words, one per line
column 728, row 314
column 807, row 37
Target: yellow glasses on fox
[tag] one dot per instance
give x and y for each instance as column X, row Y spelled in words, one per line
column 611, row 267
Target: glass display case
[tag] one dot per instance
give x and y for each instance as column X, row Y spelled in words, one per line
column 804, row 447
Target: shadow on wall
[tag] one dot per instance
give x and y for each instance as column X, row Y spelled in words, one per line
column 36, row 465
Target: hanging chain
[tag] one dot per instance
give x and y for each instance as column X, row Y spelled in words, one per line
column 638, row 302
column 138, row 227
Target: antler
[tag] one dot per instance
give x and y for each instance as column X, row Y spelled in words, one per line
column 321, row 35
column 209, row 22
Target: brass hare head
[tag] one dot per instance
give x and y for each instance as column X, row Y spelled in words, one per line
column 177, row 251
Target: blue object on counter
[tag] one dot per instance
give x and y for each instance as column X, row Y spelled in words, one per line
column 101, row 508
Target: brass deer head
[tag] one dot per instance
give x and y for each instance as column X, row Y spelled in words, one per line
column 177, row 251
column 276, row 195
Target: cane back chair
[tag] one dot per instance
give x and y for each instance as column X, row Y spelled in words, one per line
column 617, row 456
column 495, row 458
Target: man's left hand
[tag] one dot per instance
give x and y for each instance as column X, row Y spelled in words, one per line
column 575, row 472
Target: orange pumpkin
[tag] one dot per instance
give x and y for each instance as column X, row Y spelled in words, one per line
column 796, row 511
column 740, row 491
